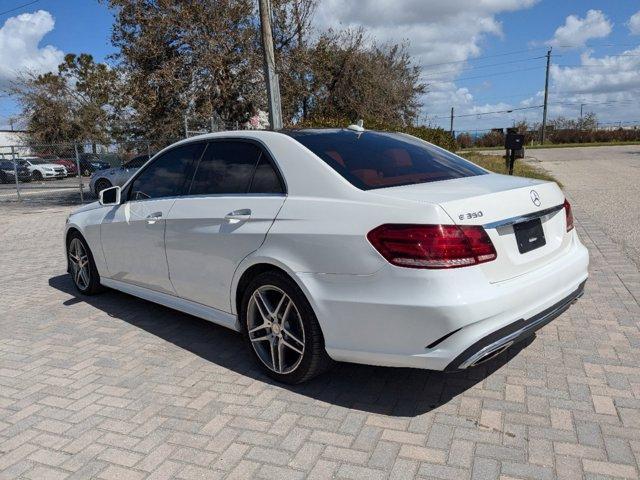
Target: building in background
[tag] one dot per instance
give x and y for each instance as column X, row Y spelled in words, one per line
column 9, row 138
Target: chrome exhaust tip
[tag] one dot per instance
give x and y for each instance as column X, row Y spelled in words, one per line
column 485, row 354
column 491, row 355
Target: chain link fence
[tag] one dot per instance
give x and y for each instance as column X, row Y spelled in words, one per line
column 63, row 173
column 71, row 173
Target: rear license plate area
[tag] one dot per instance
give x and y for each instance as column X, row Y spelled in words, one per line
column 529, row 235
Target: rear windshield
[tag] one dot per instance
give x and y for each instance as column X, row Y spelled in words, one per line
column 377, row 159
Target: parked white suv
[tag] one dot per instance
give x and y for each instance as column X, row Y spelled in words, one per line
column 42, row 169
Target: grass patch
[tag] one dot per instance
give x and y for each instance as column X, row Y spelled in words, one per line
column 496, row 164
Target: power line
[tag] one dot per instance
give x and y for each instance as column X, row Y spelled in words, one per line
column 19, row 7
column 476, row 67
column 480, row 58
column 510, row 110
column 606, row 102
column 489, row 75
column 501, row 97
column 600, row 45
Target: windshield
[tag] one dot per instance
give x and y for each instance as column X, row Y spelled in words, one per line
column 378, row 159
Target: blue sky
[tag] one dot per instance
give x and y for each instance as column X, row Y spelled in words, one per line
column 477, row 56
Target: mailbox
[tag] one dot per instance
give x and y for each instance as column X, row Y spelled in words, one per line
column 514, row 141
column 514, row 144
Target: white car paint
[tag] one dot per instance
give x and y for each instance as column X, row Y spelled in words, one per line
column 46, row 170
column 115, row 176
column 192, row 258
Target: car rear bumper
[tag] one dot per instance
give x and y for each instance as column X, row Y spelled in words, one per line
column 497, row 342
column 438, row 319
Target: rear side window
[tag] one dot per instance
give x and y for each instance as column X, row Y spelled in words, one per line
column 234, row 167
column 265, row 178
column 377, row 159
column 166, row 176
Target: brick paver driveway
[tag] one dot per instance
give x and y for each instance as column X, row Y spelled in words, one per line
column 114, row 387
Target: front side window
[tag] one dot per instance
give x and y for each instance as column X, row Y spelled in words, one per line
column 378, row 159
column 166, row 176
column 233, row 167
column 136, row 162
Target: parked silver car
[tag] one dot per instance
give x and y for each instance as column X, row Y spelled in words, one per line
column 111, row 177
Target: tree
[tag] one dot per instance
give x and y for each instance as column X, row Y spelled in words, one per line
column 76, row 103
column 355, row 78
column 197, row 59
column 291, row 31
column 588, row 122
column 203, row 59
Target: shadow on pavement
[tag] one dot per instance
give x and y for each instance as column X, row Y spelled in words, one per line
column 383, row 390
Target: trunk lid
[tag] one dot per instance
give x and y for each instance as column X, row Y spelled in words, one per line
column 498, row 202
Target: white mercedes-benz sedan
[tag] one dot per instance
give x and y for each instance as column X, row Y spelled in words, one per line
column 336, row 244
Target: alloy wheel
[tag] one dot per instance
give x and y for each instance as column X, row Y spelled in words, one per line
column 79, row 259
column 275, row 329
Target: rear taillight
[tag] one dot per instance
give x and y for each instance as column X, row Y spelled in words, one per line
column 569, row 215
column 432, row 246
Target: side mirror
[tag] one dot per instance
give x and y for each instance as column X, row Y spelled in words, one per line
column 110, row 196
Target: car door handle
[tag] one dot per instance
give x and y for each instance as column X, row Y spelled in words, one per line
column 238, row 215
column 151, row 218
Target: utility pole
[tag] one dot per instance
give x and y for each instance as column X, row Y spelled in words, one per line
column 271, row 77
column 581, row 105
column 546, row 97
column 451, row 124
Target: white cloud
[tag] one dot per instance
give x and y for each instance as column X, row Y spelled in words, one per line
column 608, row 86
column 634, row 23
column 608, row 74
column 437, row 31
column 20, row 37
column 577, row 31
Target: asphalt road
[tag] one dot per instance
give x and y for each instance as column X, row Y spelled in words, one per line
column 46, row 192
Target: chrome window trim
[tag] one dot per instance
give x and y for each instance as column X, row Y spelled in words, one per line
column 523, row 218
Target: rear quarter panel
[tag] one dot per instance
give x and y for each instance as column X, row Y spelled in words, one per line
column 321, row 235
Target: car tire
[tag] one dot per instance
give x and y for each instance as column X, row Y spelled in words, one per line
column 293, row 352
column 3, row 178
column 101, row 185
column 36, row 175
column 87, row 283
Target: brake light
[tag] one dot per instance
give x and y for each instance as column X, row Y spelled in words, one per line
column 432, row 246
column 569, row 215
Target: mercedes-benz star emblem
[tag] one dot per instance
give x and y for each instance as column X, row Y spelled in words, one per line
column 535, row 198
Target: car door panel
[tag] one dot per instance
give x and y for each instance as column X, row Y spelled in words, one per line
column 132, row 234
column 233, row 200
column 133, row 243
column 204, row 247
